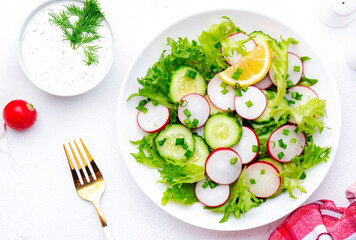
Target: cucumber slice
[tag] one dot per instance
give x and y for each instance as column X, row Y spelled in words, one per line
column 201, row 152
column 266, row 115
column 182, row 85
column 222, row 130
column 167, row 144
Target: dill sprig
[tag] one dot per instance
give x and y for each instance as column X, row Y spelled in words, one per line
column 80, row 27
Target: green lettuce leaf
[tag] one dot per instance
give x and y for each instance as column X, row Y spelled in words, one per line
column 231, row 46
column 293, row 170
column 280, row 66
column 181, row 173
column 147, row 152
column 183, row 193
column 307, row 82
column 211, row 39
column 290, row 178
column 309, row 117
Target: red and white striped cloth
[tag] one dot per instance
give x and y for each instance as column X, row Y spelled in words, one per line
column 320, row 220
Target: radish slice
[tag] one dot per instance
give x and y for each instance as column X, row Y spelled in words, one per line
column 284, row 143
column 193, row 110
column 248, row 147
column 218, row 96
column 213, row 109
column 299, row 95
column 264, row 83
column 232, row 58
column 251, row 104
column 262, row 179
column 223, row 166
column 295, row 69
column 212, row 197
column 155, row 119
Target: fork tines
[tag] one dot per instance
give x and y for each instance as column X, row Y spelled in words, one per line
column 85, row 168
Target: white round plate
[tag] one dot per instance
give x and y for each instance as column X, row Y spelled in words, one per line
column 51, row 64
column 191, row 27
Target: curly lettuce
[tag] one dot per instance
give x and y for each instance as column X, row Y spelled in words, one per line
column 210, row 41
column 184, row 193
column 241, row 200
column 294, row 170
column 309, row 116
column 279, row 66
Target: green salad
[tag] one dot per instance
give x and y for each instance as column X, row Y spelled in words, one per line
column 229, row 146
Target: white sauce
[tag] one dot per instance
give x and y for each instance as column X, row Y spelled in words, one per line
column 52, row 64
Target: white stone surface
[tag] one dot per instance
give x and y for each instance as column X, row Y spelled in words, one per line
column 37, row 197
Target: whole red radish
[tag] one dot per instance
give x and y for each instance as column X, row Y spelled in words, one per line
column 19, row 115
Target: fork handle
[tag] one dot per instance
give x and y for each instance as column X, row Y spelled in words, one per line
column 107, row 233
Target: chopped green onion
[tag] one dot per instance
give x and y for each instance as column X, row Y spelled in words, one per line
column 287, row 91
column 290, row 84
column 244, row 88
column 252, row 181
column 191, row 74
column 213, row 184
column 205, row 185
column 187, row 113
column 270, row 95
column 183, row 103
column 282, row 144
column 188, row 153
column 154, row 103
column 293, row 140
column 296, row 69
column 237, row 74
column 194, row 43
column 291, row 102
column 223, row 85
column 254, row 148
column 160, row 143
column 188, row 123
column 195, row 122
column 224, row 91
column 285, row 132
column 249, row 104
column 238, row 92
column 287, row 76
column 297, row 96
column 303, row 176
column 179, row 141
column 263, row 171
column 141, row 108
column 185, row 146
column 233, row 161
column 296, row 130
column 280, row 155
column 305, row 58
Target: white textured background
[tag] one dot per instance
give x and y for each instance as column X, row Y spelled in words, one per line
column 37, row 197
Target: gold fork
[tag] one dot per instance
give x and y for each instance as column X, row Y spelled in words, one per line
column 91, row 190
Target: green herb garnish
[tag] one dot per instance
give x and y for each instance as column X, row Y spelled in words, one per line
column 80, row 27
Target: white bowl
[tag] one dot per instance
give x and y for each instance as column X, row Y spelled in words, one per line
column 51, row 64
column 191, row 27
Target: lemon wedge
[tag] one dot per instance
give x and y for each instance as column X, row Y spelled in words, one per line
column 250, row 68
